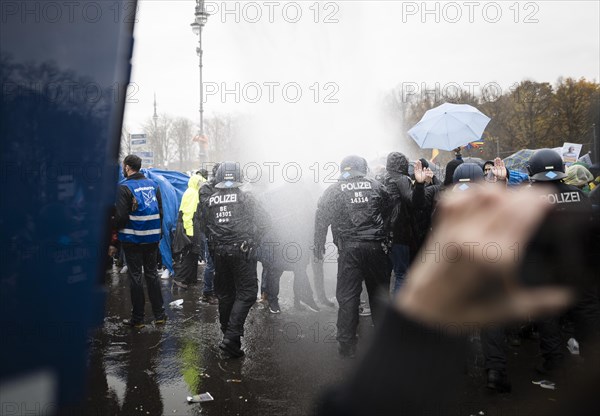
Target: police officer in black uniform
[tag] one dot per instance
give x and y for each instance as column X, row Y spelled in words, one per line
column 356, row 208
column 234, row 224
column 546, row 169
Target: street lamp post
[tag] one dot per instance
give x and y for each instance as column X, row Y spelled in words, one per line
column 201, row 16
column 155, row 120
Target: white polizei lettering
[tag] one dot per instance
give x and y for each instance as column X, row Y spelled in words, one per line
column 144, row 217
column 222, row 199
column 562, row 198
column 140, row 232
column 353, row 186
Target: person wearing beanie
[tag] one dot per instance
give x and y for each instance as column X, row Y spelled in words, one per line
column 450, row 168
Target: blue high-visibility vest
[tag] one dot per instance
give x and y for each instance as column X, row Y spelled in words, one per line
column 144, row 223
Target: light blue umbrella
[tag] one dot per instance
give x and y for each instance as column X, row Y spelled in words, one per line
column 449, row 126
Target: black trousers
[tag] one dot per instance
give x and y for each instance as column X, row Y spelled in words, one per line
column 302, row 289
column 138, row 256
column 360, row 261
column 551, row 341
column 586, row 317
column 236, row 285
column 493, row 344
column 187, row 267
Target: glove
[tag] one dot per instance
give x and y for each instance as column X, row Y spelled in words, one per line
column 385, row 247
column 248, row 249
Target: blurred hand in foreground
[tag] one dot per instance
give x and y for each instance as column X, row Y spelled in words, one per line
column 467, row 271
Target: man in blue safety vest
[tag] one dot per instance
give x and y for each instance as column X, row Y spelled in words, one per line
column 139, row 218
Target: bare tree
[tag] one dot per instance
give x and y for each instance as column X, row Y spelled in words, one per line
column 182, row 139
column 125, row 144
column 222, row 137
column 159, row 135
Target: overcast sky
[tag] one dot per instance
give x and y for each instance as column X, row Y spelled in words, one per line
column 345, row 55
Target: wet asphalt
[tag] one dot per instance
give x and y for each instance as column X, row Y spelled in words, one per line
column 290, row 360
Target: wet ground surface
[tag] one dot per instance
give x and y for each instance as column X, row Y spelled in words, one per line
column 290, row 358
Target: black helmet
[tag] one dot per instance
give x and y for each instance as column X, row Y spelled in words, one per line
column 546, row 165
column 353, row 166
column 228, row 175
column 467, row 172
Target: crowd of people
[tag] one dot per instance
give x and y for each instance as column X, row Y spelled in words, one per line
column 383, row 224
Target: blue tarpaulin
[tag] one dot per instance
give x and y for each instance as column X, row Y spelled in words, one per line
column 172, row 186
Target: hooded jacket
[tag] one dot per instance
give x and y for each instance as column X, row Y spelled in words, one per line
column 399, row 186
column 578, row 176
column 450, row 168
column 189, row 203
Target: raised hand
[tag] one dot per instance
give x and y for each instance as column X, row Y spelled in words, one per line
column 499, row 170
column 450, row 292
column 420, row 173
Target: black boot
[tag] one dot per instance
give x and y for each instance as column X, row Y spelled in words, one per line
column 133, row 324
column 497, row 380
column 347, row 350
column 232, row 348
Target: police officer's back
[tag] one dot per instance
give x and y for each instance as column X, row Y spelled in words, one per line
column 356, row 208
column 234, row 223
column 546, row 170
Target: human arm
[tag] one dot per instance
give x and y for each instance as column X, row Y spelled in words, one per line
column 123, row 207
column 160, row 207
column 499, row 170
column 416, row 362
column 261, row 218
column 323, row 219
column 422, row 195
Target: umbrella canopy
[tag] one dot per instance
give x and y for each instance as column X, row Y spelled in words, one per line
column 476, row 160
column 518, row 161
column 449, row 126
